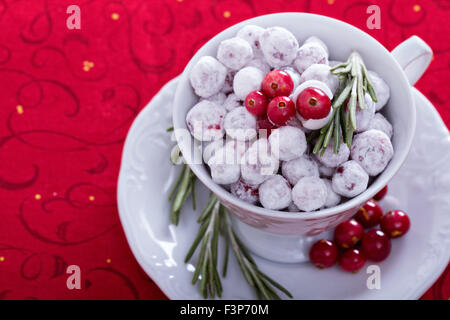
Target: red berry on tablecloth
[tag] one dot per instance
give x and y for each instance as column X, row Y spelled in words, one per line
column 376, row 245
column 323, row 254
column 370, row 214
column 256, row 103
column 277, row 83
column 281, row 110
column 352, row 260
column 313, row 103
column 348, row 233
column 395, row 223
column 381, row 194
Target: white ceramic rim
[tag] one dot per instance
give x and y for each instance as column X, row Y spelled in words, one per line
column 376, row 186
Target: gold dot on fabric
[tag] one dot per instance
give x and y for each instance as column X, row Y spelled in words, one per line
column 330, row 1
column 91, row 198
column 2, row 259
column 417, row 8
column 108, row 260
column 179, row 0
column 37, row 196
column 19, row 109
column 87, row 65
column 227, row 14
column 115, row 16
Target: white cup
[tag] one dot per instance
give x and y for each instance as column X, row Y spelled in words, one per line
column 285, row 236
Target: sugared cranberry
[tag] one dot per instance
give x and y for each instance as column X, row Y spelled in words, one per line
column 395, row 223
column 256, row 103
column 348, row 233
column 323, row 254
column 277, row 83
column 313, row 103
column 352, row 260
column 380, row 195
column 264, row 124
column 370, row 214
column 376, row 245
column 281, row 110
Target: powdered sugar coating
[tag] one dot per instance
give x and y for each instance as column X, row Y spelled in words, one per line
column 244, row 191
column 333, row 199
column 240, row 124
column 258, row 164
column 315, row 124
column 321, row 72
column 218, row 98
column 295, row 76
column 381, row 88
column 309, row 194
column 275, row 193
column 333, row 63
column 247, row 80
column 205, row 121
column 365, row 116
column 228, row 84
column 207, row 76
column 331, row 159
column 209, row 148
column 319, row 41
column 379, row 122
column 350, row 179
column 309, row 54
column 261, row 64
column 372, row 150
column 325, row 171
column 287, row 143
column 252, row 33
column 234, row 53
column 296, row 169
column 279, row 46
column 232, row 102
column 223, row 166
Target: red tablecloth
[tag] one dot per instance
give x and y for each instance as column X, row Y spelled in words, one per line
column 68, row 98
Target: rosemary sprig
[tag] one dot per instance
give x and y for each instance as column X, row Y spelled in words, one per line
column 208, row 236
column 214, row 221
column 354, row 83
column 183, row 187
column 263, row 285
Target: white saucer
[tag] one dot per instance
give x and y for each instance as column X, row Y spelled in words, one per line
column 421, row 188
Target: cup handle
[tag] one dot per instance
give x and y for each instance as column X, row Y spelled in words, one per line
column 414, row 56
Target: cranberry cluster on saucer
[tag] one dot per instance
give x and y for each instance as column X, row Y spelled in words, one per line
column 259, row 100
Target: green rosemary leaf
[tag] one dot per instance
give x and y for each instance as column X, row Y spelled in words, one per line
column 337, row 133
column 319, row 144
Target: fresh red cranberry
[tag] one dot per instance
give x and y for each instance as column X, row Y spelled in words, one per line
column 277, row 83
column 264, row 124
column 395, row 223
column 256, row 103
column 348, row 233
column 380, row 195
column 370, row 214
column 323, row 254
column 352, row 260
column 313, row 103
column 376, row 245
column 280, row 110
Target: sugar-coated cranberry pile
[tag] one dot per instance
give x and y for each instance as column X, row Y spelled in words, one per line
column 353, row 245
column 260, row 99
